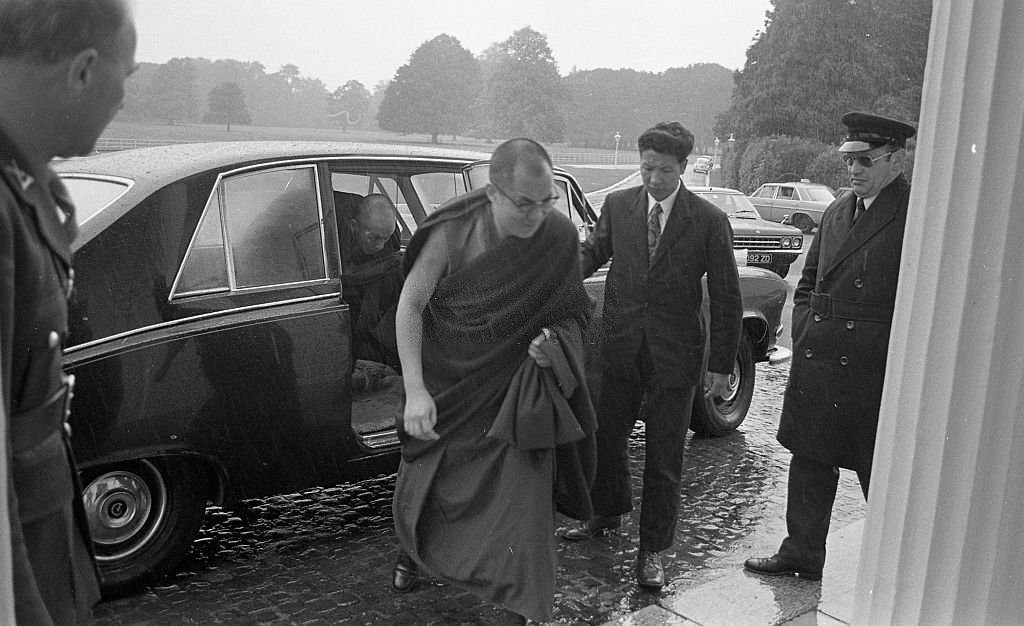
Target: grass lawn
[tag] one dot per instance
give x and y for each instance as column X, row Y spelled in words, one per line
column 591, row 178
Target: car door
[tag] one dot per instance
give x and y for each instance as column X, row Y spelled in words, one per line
column 764, row 200
column 786, row 201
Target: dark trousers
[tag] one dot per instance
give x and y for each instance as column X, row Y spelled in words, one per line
column 667, row 418
column 812, row 492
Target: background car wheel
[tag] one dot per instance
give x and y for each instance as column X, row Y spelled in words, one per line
column 804, row 223
column 142, row 515
column 780, row 268
column 720, row 416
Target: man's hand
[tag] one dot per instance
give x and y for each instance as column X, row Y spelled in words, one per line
column 534, row 350
column 420, row 415
column 716, row 385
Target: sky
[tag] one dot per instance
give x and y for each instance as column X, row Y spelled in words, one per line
column 340, row 40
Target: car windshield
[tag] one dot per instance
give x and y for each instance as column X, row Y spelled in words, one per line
column 819, row 194
column 734, row 204
column 91, row 195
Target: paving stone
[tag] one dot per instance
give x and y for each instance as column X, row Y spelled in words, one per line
column 324, row 556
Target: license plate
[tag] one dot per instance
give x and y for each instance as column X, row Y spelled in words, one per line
column 759, row 257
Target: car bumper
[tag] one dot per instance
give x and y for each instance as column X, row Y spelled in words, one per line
column 779, row 354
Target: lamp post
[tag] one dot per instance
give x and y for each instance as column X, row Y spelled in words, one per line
column 617, row 138
column 714, row 164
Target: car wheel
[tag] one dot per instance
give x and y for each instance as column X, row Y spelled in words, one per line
column 720, row 416
column 142, row 516
column 780, row 268
column 804, row 223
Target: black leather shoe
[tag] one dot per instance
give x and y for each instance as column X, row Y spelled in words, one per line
column 775, row 565
column 405, row 574
column 594, row 527
column 649, row 570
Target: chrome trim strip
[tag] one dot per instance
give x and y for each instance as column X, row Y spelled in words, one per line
column 382, row 439
column 194, row 318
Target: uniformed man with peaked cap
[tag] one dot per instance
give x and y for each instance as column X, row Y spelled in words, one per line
column 842, row 315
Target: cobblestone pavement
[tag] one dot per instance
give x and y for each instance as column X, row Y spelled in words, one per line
column 324, row 556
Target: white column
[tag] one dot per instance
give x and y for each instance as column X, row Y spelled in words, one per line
column 944, row 536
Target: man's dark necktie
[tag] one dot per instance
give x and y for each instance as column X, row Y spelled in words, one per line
column 858, row 210
column 653, row 230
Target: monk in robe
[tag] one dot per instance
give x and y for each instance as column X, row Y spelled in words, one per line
column 497, row 427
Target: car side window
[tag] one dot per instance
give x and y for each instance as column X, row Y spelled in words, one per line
column 363, row 184
column 259, row 229
column 785, row 193
column 436, row 188
column 765, row 192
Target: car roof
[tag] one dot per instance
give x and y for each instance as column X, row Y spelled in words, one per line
column 164, row 164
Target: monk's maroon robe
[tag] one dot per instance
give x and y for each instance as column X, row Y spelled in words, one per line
column 470, row 509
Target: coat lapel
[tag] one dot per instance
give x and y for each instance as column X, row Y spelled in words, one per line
column 40, row 199
column 882, row 212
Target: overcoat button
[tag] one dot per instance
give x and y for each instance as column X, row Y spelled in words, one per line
column 53, row 339
column 843, row 360
column 858, row 283
column 808, row 353
column 849, row 324
column 817, row 317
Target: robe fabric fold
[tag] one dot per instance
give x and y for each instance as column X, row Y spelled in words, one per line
column 472, row 509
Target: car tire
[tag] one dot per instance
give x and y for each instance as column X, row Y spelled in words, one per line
column 142, row 515
column 782, row 269
column 804, row 223
column 715, row 417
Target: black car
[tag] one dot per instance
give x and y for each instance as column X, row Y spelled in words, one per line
column 212, row 340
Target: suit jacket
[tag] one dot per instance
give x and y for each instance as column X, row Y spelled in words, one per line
column 660, row 299
column 842, row 315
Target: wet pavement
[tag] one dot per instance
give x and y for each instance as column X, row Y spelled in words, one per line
column 324, row 556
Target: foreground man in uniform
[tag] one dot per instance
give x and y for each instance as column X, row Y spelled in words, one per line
column 493, row 297
column 842, row 314
column 62, row 70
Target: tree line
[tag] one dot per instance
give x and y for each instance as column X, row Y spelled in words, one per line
column 813, row 61
column 512, row 88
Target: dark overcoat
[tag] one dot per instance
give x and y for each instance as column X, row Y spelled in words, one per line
column 54, row 575
column 661, row 298
column 842, row 315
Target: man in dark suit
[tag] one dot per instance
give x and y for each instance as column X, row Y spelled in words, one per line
column 662, row 240
column 62, row 70
column 842, row 314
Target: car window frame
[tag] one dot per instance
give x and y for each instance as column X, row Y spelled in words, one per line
column 216, row 197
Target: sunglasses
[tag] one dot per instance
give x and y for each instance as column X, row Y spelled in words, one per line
column 864, row 161
column 526, row 205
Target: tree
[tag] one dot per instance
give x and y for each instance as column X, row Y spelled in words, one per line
column 433, row 93
column 227, row 104
column 524, row 95
column 171, row 95
column 348, row 104
column 818, row 59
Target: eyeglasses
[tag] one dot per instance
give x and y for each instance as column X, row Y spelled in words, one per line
column 864, row 161
column 525, row 205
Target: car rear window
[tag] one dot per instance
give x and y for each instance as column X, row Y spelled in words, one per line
column 91, row 195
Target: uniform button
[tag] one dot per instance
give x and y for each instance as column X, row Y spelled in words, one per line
column 858, row 283
column 849, row 325
column 843, row 360
column 53, row 339
column 817, row 318
column 808, row 353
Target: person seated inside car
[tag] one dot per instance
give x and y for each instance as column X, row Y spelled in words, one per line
column 372, row 278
